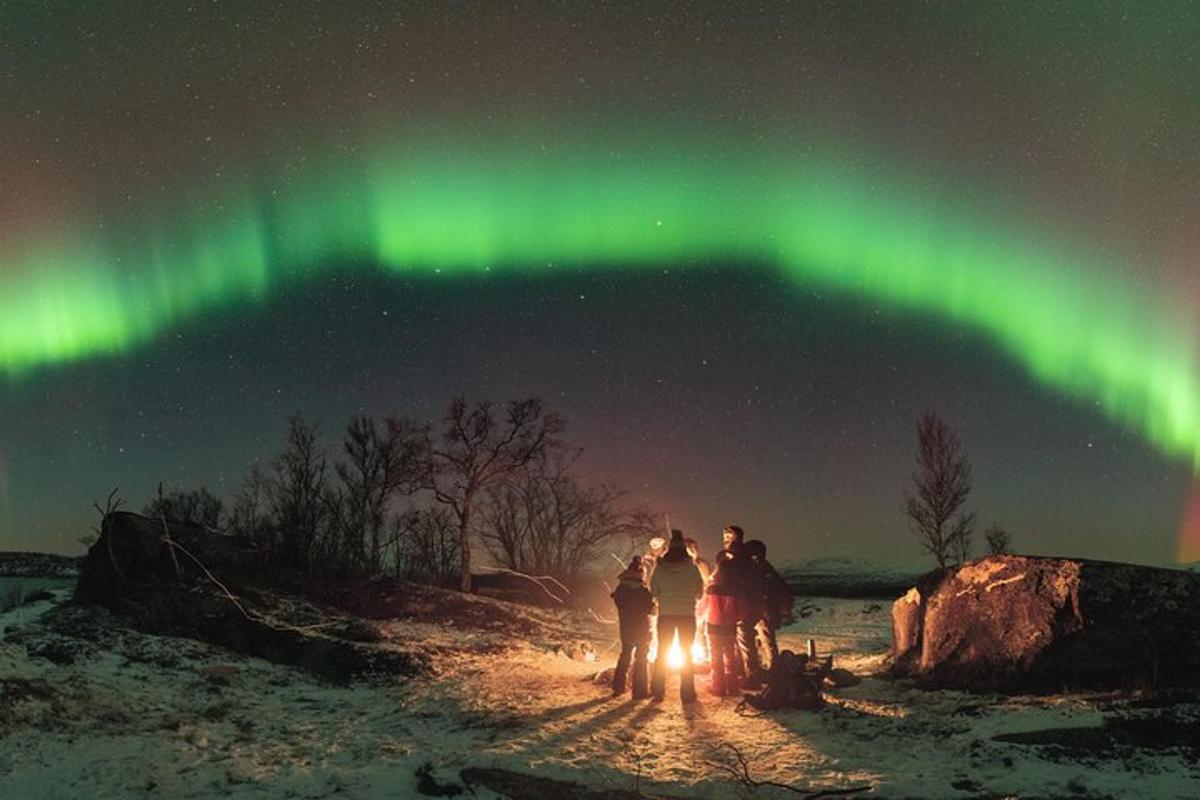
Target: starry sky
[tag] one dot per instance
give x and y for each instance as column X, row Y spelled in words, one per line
column 740, row 250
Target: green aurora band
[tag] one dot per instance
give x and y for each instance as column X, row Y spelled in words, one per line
column 1068, row 319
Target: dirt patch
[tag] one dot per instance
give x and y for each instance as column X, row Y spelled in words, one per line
column 532, row 787
column 1115, row 737
column 384, row 599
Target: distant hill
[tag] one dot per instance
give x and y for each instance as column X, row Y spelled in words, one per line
column 847, row 577
column 38, row 565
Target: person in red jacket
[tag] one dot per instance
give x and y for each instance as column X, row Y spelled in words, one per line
column 750, row 608
column 635, row 607
column 722, row 610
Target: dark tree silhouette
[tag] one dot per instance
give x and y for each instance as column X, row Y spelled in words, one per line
column 426, row 545
column 194, row 506
column 998, row 540
column 546, row 522
column 249, row 514
column 381, row 462
column 298, row 493
column 477, row 449
column 941, row 484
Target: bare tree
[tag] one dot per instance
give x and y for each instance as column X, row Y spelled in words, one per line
column 426, row 545
column 298, row 493
column 962, row 544
column 478, row 449
column 249, row 512
column 381, row 461
column 941, row 483
column 998, row 540
column 545, row 522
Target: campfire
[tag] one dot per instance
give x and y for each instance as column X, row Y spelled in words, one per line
column 675, row 654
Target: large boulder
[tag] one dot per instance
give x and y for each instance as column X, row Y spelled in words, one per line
column 186, row 580
column 1014, row 623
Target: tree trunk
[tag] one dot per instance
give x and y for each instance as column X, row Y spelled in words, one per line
column 464, row 544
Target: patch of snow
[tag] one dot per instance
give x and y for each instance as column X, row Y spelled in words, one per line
column 175, row 718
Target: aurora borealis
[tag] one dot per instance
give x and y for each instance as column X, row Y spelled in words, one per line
column 464, row 210
column 532, row 194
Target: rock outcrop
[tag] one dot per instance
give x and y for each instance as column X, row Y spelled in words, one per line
column 209, row 586
column 1015, row 623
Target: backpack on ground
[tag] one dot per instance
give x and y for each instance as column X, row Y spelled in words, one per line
column 794, row 681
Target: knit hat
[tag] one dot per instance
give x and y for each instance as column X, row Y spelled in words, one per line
column 634, row 572
column 677, row 542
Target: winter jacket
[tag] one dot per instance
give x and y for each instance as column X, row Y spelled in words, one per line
column 635, row 606
column 721, row 610
column 779, row 597
column 676, row 585
column 741, row 582
column 769, row 595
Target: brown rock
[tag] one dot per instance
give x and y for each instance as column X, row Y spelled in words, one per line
column 907, row 614
column 1045, row 624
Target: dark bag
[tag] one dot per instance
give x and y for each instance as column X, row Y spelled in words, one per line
column 792, row 682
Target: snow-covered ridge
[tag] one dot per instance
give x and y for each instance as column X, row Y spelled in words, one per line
column 847, row 577
column 38, row 565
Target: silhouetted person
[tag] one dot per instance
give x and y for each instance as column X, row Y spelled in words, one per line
column 635, row 607
column 676, row 586
column 749, row 609
column 773, row 595
column 657, row 546
column 721, row 612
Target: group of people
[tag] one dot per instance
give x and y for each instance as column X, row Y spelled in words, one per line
column 732, row 606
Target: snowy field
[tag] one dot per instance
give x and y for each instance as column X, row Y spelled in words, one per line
column 144, row 716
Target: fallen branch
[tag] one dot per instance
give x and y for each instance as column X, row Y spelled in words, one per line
column 600, row 619
column 537, row 580
column 740, row 772
column 174, row 545
column 168, row 540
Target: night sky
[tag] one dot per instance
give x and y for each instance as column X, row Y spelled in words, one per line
column 740, row 250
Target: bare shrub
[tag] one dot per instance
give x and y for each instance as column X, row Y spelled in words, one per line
column 187, row 506
column 998, row 540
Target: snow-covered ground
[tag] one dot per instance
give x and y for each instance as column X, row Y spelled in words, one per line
column 138, row 715
column 849, row 577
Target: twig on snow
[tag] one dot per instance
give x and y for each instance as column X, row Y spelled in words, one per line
column 740, row 772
